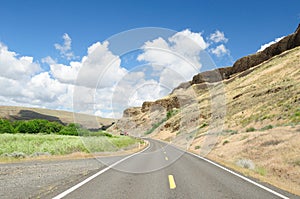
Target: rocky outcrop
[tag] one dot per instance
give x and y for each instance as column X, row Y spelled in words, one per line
column 131, row 112
column 243, row 64
column 287, row 43
column 165, row 103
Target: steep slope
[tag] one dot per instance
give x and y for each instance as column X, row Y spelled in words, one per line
column 25, row 113
column 246, row 116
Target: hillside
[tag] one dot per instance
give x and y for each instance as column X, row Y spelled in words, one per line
column 24, row 113
column 246, row 117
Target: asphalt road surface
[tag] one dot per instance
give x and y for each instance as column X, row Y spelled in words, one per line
column 163, row 171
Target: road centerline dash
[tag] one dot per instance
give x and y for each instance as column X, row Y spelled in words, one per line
column 172, row 182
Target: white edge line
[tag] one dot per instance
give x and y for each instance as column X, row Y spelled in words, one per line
column 63, row 194
column 234, row 173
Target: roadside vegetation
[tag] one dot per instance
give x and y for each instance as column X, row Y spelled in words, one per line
column 169, row 114
column 19, row 139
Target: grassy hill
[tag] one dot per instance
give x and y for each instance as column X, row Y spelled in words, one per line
column 24, row 113
column 249, row 122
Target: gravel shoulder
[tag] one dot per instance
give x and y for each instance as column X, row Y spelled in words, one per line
column 48, row 176
column 43, row 179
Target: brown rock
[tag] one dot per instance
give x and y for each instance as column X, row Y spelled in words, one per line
column 130, row 112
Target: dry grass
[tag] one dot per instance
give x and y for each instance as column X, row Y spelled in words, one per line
column 275, row 153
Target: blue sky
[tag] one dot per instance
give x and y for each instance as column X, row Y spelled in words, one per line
column 32, row 28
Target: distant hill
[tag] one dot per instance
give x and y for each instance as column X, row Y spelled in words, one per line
column 63, row 117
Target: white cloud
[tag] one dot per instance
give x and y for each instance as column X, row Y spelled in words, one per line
column 264, row 46
column 24, row 83
column 65, row 49
column 63, row 73
column 43, row 88
column 15, row 67
column 218, row 36
column 220, row 50
column 99, row 68
column 179, row 54
column 98, row 82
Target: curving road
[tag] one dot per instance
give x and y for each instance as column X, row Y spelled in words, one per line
column 163, row 171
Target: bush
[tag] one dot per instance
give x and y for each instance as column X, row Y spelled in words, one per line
column 71, row 129
column 245, row 163
column 6, row 126
column 155, row 126
column 36, row 126
column 52, row 127
column 266, row 127
column 225, row 142
column 171, row 113
column 251, row 129
column 203, row 125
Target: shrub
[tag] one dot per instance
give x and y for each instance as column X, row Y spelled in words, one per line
column 171, row 113
column 52, row 127
column 231, row 132
column 32, row 126
column 197, row 147
column 266, row 127
column 155, row 126
column 203, row 125
column 251, row 129
column 6, row 126
column 225, row 142
column 71, row 129
column 246, row 163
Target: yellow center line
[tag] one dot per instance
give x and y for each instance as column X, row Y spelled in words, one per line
column 172, row 182
column 166, row 158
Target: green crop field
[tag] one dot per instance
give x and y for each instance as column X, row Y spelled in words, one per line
column 23, row 145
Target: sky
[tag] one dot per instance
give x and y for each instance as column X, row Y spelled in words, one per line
column 100, row 57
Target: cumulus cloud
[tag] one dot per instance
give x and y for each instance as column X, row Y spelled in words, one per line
column 179, row 55
column 218, row 36
column 24, row 83
column 16, row 67
column 66, row 48
column 264, row 46
column 98, row 84
column 63, row 73
column 219, row 50
column 99, row 68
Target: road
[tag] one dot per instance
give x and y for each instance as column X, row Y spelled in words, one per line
column 163, row 171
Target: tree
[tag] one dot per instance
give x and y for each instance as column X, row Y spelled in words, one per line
column 6, row 126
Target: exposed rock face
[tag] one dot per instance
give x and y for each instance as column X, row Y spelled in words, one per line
column 287, row 43
column 131, row 112
column 165, row 103
column 209, row 76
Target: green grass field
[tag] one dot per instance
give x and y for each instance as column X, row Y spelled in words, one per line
column 29, row 144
